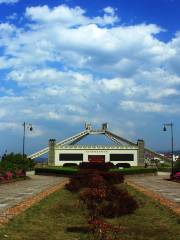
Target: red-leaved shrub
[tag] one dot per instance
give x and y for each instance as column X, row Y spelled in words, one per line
column 118, row 202
column 94, row 165
column 93, row 178
column 108, row 201
column 102, row 230
column 8, row 175
column 113, row 177
column 96, row 181
column 20, row 173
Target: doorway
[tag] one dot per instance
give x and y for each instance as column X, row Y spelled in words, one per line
column 96, row 158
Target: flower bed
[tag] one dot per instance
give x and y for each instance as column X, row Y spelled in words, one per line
column 14, row 166
column 11, row 177
column 102, row 198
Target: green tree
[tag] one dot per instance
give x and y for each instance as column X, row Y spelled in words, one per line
column 15, row 161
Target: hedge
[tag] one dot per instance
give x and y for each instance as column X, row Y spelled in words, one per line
column 56, row 170
column 71, row 171
column 164, row 169
column 129, row 171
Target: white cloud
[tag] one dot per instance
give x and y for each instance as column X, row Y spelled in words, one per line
column 66, row 16
column 13, row 126
column 8, row 1
column 148, row 107
column 162, row 93
column 65, row 66
column 116, row 84
column 109, row 10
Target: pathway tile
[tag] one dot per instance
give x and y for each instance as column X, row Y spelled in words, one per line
column 163, row 188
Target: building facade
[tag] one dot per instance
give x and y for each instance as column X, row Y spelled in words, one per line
column 118, row 150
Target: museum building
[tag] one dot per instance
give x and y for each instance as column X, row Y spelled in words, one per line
column 95, row 146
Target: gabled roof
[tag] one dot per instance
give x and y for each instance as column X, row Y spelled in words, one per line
column 99, row 139
column 90, row 137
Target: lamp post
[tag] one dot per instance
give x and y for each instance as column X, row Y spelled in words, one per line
column 172, row 144
column 28, row 126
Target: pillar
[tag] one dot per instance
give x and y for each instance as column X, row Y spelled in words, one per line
column 51, row 155
column 140, row 144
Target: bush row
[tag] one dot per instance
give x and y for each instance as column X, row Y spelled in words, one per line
column 164, row 169
column 71, row 170
column 102, row 199
column 100, row 166
column 55, row 170
column 13, row 162
column 99, row 194
column 90, row 178
column 135, row 170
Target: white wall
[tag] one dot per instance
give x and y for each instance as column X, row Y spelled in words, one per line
column 87, row 152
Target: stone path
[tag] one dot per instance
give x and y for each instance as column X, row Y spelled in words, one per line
column 18, row 196
column 167, row 192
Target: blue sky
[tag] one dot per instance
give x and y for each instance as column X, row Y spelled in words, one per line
column 64, row 63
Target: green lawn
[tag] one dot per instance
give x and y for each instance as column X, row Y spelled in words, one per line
column 50, row 218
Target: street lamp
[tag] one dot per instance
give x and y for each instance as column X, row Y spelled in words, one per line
column 28, row 126
column 172, row 144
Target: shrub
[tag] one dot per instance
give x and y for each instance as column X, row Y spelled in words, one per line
column 177, row 165
column 93, row 178
column 113, row 177
column 135, row 170
column 20, row 173
column 102, row 230
column 84, row 179
column 110, row 165
column 74, row 185
column 96, row 181
column 123, row 165
column 97, row 166
column 108, row 201
column 55, row 171
column 70, row 165
column 92, row 198
column 118, row 202
column 2, row 178
column 8, row 175
column 177, row 175
column 13, row 162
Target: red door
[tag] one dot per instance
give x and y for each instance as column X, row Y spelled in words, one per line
column 96, row 158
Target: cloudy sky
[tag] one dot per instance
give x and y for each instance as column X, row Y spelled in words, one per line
column 64, row 63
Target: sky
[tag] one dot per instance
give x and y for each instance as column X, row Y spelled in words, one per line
column 64, row 63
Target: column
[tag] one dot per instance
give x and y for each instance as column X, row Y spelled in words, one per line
column 51, row 155
column 140, row 144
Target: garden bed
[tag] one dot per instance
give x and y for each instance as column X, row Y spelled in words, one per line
column 53, row 216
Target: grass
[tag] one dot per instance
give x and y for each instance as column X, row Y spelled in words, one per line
column 47, row 220
column 151, row 221
column 50, row 218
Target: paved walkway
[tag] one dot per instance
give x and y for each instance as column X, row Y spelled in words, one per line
column 12, row 194
column 158, row 187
